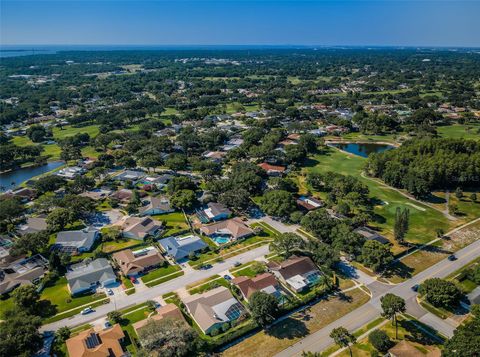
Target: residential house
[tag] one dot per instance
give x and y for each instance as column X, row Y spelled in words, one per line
column 265, row 282
column 88, row 275
column 406, row 349
column 370, row 234
column 232, row 144
column 167, row 311
column 132, row 263
column 180, row 248
column 215, row 156
column 70, row 172
column 6, row 256
column 309, row 203
column 213, row 308
column 25, row 271
column 299, row 273
column 159, row 181
column 124, row 195
column 272, row 170
column 139, row 227
column 214, row 212
column 76, row 241
column 33, row 225
column 130, row 175
column 92, row 343
column 233, row 228
column 97, row 194
column 156, row 205
column 25, row 194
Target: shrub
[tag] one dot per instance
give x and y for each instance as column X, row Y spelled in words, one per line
column 380, row 340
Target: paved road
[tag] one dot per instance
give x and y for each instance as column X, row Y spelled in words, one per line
column 121, row 302
column 320, row 340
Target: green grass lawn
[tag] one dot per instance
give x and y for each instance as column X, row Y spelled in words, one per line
column 60, row 297
column 174, row 222
column 160, row 272
column 467, row 209
column 251, row 270
column 68, row 130
column 110, row 247
column 207, row 284
column 459, row 131
column 422, row 218
column 6, row 303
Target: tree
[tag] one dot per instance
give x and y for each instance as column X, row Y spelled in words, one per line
column 375, row 255
column 441, row 293
column 36, row 133
column 278, row 203
column 322, row 253
column 31, row 243
column 264, row 307
column 343, row 338
column 320, row 224
column 286, row 244
column 465, row 340
column 59, row 218
column 81, row 184
column 63, row 333
column 401, row 224
column 473, row 197
column 380, row 340
column 184, row 199
column 391, row 306
column 115, row 316
column 49, row 183
column 26, row 298
column 10, row 209
column 168, row 337
column 237, row 199
column 458, row 193
column 20, row 336
column 180, row 183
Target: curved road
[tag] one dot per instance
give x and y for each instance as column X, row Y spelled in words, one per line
column 320, row 340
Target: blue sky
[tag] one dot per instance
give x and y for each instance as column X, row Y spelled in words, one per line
column 160, row 22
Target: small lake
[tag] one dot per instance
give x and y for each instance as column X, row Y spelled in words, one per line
column 12, row 179
column 363, row 149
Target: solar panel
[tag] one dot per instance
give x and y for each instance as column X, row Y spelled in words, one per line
column 92, row 341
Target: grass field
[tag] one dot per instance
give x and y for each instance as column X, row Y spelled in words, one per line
column 207, row 284
column 66, row 131
column 458, row 131
column 467, row 209
column 174, row 222
column 251, row 270
column 407, row 330
column 60, row 297
column 297, row 326
column 422, row 217
column 160, row 272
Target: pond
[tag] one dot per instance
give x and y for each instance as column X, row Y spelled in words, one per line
column 363, row 149
column 12, row 179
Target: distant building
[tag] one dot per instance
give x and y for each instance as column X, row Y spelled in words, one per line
column 25, row 271
column 97, row 193
column 299, row 273
column 88, row 275
column 213, row 308
column 180, row 248
column 130, row 175
column 139, row 227
column 33, row 225
column 70, row 172
column 309, row 203
column 90, row 343
column 156, row 205
column 76, row 241
column 265, row 282
column 131, row 263
column 214, row 212
column 370, row 234
column 272, row 170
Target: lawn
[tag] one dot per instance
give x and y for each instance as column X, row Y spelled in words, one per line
column 459, row 277
column 357, row 136
column 422, row 217
column 297, row 326
column 66, row 131
column 174, row 222
column 207, row 284
column 459, row 131
column 407, row 330
column 251, row 270
column 60, row 297
column 160, row 272
column 115, row 246
column 467, row 209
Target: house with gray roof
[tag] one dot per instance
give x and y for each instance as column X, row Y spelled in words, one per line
column 130, row 175
column 33, row 225
column 180, row 248
column 156, row 205
column 88, row 275
column 24, row 271
column 214, row 212
column 76, row 241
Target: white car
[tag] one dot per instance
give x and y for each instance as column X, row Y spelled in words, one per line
column 110, row 292
column 87, row 310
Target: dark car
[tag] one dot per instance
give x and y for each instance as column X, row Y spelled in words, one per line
column 227, row 277
column 452, row 257
column 415, row 287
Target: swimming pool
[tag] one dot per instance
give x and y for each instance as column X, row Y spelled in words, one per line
column 221, row 240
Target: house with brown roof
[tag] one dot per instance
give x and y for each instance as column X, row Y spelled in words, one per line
column 131, row 263
column 265, row 282
column 167, row 311
column 214, row 308
column 309, row 203
column 272, row 170
column 406, row 349
column 90, row 343
column 299, row 273
column 232, row 228
column 139, row 227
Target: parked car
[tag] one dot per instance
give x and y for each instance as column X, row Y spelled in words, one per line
column 133, row 280
column 206, row 266
column 452, row 257
column 415, row 287
column 227, row 277
column 109, row 291
column 237, row 264
column 108, row 324
column 87, row 310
